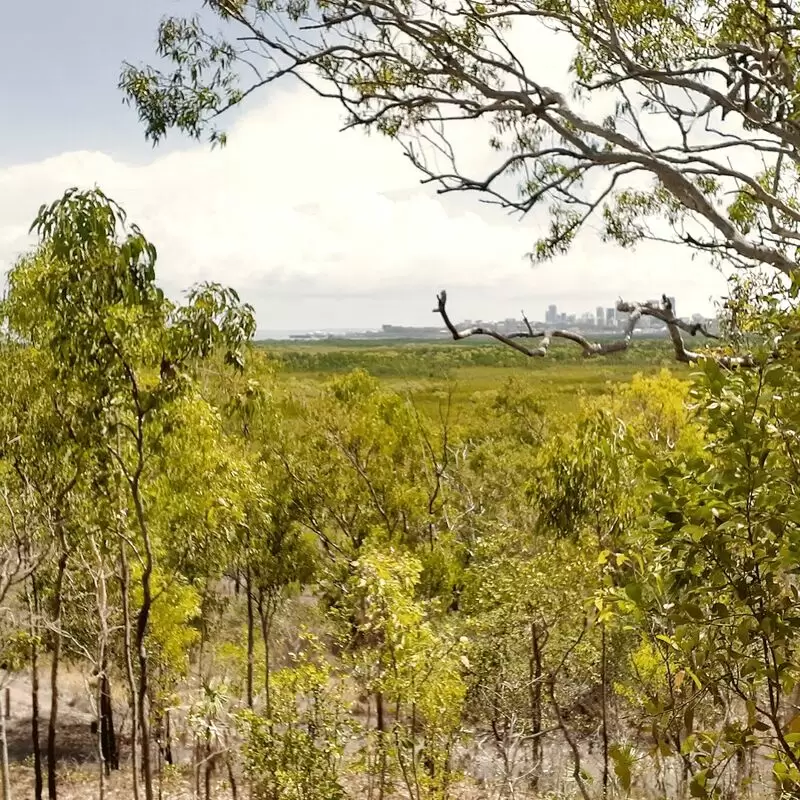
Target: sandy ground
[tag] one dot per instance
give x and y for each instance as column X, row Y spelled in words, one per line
column 78, row 768
column 81, row 783
column 76, row 746
column 75, row 741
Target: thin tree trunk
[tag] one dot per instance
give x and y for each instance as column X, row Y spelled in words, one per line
column 197, row 767
column 143, row 688
column 577, row 768
column 33, row 612
column 52, row 789
column 101, row 661
column 737, row 788
column 102, row 763
column 266, row 626
column 160, row 754
column 381, row 745
column 231, row 778
column 250, row 631
column 168, row 738
column 142, row 620
column 127, row 633
column 209, row 768
column 108, row 735
column 604, row 702
column 105, row 714
column 6, row 778
column 535, row 676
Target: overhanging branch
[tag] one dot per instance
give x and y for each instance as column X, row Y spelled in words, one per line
column 414, row 71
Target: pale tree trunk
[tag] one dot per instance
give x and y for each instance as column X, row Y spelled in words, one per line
column 535, row 678
column 142, row 620
column 147, row 559
column 604, row 704
column 266, row 612
column 101, row 761
column 52, row 788
column 6, row 777
column 124, row 579
column 143, row 688
column 381, row 723
column 32, row 597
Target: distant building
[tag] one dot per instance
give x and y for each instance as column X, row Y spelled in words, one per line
column 611, row 317
column 600, row 316
column 551, row 316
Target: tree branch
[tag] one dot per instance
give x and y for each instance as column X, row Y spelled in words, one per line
column 415, row 71
column 636, row 311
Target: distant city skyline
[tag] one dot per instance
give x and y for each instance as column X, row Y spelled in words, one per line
column 601, row 317
column 604, row 319
column 422, row 317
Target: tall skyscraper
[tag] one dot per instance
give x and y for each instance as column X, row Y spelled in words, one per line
column 551, row 316
column 600, row 315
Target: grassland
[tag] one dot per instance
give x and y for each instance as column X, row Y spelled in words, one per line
column 469, row 370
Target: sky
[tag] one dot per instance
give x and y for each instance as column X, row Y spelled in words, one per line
column 316, row 228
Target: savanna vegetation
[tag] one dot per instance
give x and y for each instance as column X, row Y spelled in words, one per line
column 423, row 572
column 426, row 571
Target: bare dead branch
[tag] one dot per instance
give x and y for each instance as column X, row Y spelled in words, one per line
column 590, row 349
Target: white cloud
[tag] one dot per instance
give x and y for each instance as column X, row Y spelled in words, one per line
column 325, row 229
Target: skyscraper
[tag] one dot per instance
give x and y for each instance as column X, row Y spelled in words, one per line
column 551, row 316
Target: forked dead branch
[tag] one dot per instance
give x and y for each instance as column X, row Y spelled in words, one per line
column 636, row 311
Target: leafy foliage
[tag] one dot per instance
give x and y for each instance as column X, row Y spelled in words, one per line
column 333, row 592
column 295, row 753
column 641, row 139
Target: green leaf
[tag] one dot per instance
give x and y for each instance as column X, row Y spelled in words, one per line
column 697, row 785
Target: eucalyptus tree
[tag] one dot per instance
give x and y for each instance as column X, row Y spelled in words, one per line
column 713, row 586
column 275, row 553
column 369, row 470
column 124, row 357
column 46, row 485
